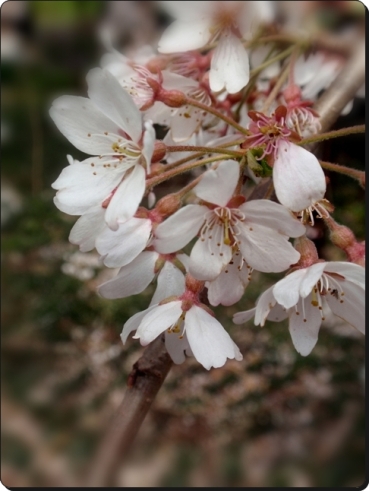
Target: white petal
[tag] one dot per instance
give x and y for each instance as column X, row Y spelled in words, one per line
column 121, row 246
column 298, row 177
column 311, row 278
column 242, row 317
column 87, row 228
column 148, row 144
column 184, row 123
column 352, row 308
column 277, row 313
column 176, row 347
column 82, row 186
column 132, row 278
column 77, row 118
column 177, row 231
column 158, row 320
column 229, row 286
column 266, row 250
column 207, row 266
column 115, row 102
column 229, row 65
column 133, row 323
column 127, row 197
column 210, row 343
column 273, row 215
column 305, row 334
column 171, row 281
column 351, row 271
column 265, row 303
column 217, row 186
column 184, row 36
column 286, row 291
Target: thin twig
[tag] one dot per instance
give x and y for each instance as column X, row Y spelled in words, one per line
column 144, row 382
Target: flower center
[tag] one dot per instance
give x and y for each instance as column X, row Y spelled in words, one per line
column 221, row 228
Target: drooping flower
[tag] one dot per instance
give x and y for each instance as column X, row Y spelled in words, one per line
column 304, row 294
column 298, row 178
column 190, row 328
column 110, row 127
column 209, row 21
column 258, row 229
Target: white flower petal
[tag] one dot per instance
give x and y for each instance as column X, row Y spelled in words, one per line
column 133, row 323
column 210, row 343
column 115, row 102
column 83, row 124
column 351, row 271
column 286, row 291
column 119, row 247
column 158, row 320
column 171, row 281
column 177, row 231
column 229, row 286
column 229, row 65
column 207, row 266
column 266, row 250
column 245, row 316
column 265, row 303
column 352, row 308
column 305, row 334
column 148, row 144
column 217, row 186
column 298, row 178
column 126, row 198
column 82, row 186
column 184, row 123
column 277, row 313
column 311, row 278
column 185, row 36
column 87, row 228
column 176, row 347
column 272, row 215
column 132, row 278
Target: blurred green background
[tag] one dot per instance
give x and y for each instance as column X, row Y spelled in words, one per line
column 275, row 419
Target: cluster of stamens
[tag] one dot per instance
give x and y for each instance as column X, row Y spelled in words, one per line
column 221, row 227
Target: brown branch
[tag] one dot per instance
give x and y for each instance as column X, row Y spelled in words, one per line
column 342, row 90
column 144, row 382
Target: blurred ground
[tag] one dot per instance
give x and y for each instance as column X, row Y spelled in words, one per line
column 275, row 419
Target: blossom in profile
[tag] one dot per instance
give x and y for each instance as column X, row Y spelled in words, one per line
column 108, row 126
column 298, row 177
column 190, row 329
column 303, row 296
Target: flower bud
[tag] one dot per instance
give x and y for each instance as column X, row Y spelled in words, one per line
column 168, row 205
column 156, row 169
column 292, row 94
column 160, row 151
column 340, row 235
column 171, row 98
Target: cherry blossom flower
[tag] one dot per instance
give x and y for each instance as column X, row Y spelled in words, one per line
column 200, row 23
column 190, row 328
column 304, row 294
column 298, row 178
column 108, row 126
column 259, row 229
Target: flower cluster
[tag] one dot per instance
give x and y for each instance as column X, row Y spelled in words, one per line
column 212, row 88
